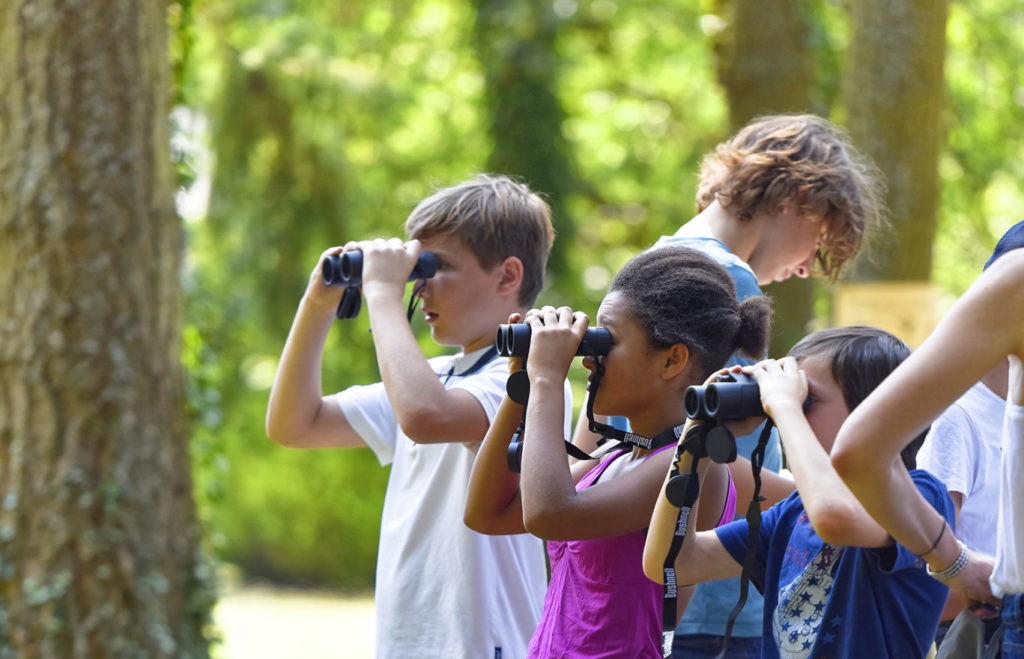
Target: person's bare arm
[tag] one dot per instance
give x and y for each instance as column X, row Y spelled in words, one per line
column 774, row 487
column 981, row 329
column 298, row 414
column 425, row 410
column 493, row 504
column 552, row 508
column 702, row 557
column 835, row 513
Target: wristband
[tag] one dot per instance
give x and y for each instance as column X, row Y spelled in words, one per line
column 955, row 568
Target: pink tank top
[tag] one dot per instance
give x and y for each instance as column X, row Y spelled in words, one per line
column 599, row 602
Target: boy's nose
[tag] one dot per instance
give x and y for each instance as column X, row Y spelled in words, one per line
column 803, row 271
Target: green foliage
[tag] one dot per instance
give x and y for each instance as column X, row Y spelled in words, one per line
column 983, row 164
column 329, row 121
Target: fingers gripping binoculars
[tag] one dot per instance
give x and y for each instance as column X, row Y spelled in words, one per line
column 513, row 340
column 730, row 396
column 346, row 269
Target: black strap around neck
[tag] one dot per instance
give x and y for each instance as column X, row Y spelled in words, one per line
column 664, row 438
column 490, row 354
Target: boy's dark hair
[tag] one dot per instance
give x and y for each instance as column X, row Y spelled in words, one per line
column 495, row 217
column 679, row 295
column 861, row 357
column 801, row 159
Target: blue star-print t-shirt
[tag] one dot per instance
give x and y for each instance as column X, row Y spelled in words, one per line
column 826, row 601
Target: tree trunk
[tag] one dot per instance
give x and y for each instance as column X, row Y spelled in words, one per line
column 766, row 66
column 515, row 43
column 893, row 90
column 98, row 533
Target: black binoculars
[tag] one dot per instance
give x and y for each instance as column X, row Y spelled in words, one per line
column 346, row 269
column 513, row 340
column 730, row 396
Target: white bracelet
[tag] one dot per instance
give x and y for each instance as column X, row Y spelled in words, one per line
column 955, row 568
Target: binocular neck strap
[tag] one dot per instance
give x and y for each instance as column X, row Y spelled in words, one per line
column 417, row 291
column 607, row 432
column 753, row 518
column 681, row 490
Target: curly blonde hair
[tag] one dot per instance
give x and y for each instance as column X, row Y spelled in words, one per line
column 802, row 159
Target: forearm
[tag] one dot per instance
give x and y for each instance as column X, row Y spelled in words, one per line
column 980, row 330
column 663, row 526
column 546, row 482
column 492, row 504
column 832, row 509
column 297, row 390
column 774, row 486
column 417, row 395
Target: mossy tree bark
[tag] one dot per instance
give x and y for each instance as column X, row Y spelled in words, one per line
column 98, row 532
column 516, row 46
column 894, row 96
column 766, row 66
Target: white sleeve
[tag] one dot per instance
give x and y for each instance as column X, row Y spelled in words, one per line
column 1008, row 573
column 487, row 386
column 369, row 412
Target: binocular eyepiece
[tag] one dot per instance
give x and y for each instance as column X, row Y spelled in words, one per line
column 730, row 396
column 513, row 340
column 346, row 269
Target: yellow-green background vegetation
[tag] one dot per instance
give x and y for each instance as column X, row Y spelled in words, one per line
column 313, row 123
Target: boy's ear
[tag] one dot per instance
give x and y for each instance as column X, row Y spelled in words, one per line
column 677, row 357
column 511, row 275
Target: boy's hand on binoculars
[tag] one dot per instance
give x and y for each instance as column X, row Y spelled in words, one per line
column 386, row 266
column 319, row 293
column 711, row 379
column 556, row 334
column 781, row 383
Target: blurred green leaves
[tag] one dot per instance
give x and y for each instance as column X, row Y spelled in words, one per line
column 327, row 122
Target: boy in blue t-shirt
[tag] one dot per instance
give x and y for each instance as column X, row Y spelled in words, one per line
column 835, row 584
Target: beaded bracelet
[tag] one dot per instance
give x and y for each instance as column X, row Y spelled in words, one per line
column 955, row 568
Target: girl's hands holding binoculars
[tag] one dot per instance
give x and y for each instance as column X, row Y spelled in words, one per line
column 556, row 334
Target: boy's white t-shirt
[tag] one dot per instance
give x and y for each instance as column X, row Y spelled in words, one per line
column 443, row 590
column 1008, row 574
column 962, row 450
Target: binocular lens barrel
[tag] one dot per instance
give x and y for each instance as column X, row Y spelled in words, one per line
column 693, row 401
column 513, row 340
column 346, row 269
column 332, row 272
column 732, row 396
